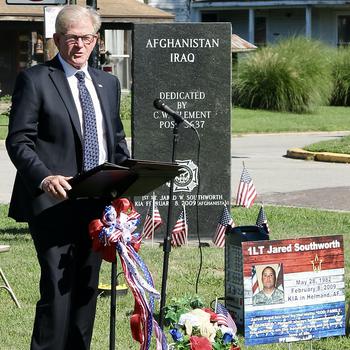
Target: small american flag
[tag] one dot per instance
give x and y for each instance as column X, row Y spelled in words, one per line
column 224, row 317
column 180, row 230
column 219, row 235
column 261, row 221
column 152, row 222
column 279, row 280
column 246, row 190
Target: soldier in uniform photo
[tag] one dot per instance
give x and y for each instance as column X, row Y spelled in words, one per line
column 270, row 294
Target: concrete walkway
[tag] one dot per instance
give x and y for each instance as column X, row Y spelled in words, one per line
column 292, row 182
column 7, row 174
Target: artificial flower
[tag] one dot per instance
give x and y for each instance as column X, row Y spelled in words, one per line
column 196, row 317
column 176, row 334
column 213, row 315
column 208, row 330
column 227, row 338
column 188, row 327
column 200, row 343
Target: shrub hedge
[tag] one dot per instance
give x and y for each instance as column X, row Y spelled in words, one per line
column 125, row 107
column 341, row 78
column 295, row 75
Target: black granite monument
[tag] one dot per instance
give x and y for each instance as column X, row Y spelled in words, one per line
column 188, row 67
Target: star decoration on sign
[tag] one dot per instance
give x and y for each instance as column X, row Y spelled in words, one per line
column 317, row 264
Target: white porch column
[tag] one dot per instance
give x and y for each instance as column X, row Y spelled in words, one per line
column 251, row 28
column 195, row 15
column 308, row 20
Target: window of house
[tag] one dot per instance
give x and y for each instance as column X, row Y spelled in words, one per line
column 117, row 47
column 343, row 30
column 209, row 17
column 260, row 31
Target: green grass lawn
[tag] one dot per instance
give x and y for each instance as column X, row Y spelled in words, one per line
column 261, row 121
column 3, row 126
column 21, row 269
column 245, row 121
column 340, row 145
column 258, row 121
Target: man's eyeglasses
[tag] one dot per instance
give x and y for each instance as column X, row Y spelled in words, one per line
column 72, row 39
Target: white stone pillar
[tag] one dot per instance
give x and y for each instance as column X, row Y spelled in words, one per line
column 251, row 24
column 308, row 22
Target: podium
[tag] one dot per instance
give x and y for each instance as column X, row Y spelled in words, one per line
column 109, row 181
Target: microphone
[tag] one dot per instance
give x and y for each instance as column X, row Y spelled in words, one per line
column 159, row 104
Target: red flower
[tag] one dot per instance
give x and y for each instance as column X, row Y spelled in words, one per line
column 200, row 343
column 213, row 315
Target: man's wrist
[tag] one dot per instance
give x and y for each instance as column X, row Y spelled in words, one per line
column 42, row 183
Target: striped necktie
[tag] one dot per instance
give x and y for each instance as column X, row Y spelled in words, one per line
column 90, row 147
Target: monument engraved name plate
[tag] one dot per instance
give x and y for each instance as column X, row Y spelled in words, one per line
column 188, row 67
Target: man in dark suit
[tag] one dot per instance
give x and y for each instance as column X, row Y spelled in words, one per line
column 63, row 122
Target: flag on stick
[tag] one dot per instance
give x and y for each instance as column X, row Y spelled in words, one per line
column 224, row 317
column 180, row 231
column 219, row 235
column 261, row 221
column 152, row 222
column 246, row 190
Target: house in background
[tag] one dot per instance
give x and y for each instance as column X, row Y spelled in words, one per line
column 180, row 8
column 262, row 22
column 24, row 44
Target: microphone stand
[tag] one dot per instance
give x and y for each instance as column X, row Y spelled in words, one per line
column 167, row 238
column 113, row 305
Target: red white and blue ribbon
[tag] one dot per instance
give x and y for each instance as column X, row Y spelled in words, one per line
column 117, row 229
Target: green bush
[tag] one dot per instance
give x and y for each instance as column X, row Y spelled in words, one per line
column 293, row 75
column 125, row 107
column 7, row 112
column 5, row 107
column 341, row 78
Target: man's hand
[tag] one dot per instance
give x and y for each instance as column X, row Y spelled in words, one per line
column 56, row 186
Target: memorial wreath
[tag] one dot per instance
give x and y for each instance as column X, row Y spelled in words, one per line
column 195, row 327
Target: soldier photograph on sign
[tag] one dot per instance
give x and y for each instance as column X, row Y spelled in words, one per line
column 269, row 284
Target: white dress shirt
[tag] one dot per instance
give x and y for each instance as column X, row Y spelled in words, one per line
column 73, row 83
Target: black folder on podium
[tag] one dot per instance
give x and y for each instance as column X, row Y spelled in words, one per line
column 132, row 178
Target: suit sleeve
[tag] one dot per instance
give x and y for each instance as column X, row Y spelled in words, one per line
column 121, row 151
column 23, row 131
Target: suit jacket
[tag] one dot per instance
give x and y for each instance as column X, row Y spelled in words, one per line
column 44, row 135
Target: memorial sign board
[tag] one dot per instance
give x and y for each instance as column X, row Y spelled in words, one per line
column 307, row 299
column 188, row 67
